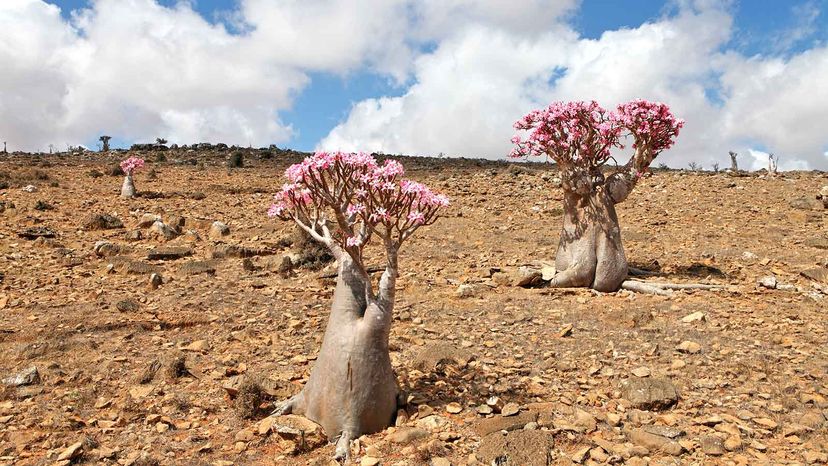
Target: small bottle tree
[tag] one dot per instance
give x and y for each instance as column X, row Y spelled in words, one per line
column 345, row 201
column 105, row 143
column 129, row 166
column 578, row 137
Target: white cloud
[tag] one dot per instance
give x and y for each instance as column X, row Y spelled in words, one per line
column 470, row 90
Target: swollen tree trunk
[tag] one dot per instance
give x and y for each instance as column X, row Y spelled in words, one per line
column 128, row 188
column 352, row 389
column 590, row 253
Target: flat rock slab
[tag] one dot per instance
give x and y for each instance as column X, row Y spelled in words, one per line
column 649, row 393
column 523, row 447
column 819, row 274
column 817, row 242
column 654, row 443
column 28, row 376
column 198, row 267
column 507, row 423
column 169, row 253
column 133, row 267
column 235, row 250
column 435, row 355
column 101, row 222
column 36, row 232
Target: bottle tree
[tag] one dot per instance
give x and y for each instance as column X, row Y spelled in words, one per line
column 347, row 201
column 579, row 138
column 129, row 166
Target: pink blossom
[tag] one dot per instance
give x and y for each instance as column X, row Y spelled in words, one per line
column 131, row 164
column 377, row 197
column 417, row 217
column 355, row 209
column 583, row 133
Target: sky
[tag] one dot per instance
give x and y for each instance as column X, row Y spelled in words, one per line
column 418, row 77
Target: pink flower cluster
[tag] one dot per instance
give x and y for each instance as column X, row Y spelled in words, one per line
column 651, row 123
column 583, row 133
column 363, row 194
column 131, row 164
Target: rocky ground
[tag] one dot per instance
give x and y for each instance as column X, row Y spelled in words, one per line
column 134, row 342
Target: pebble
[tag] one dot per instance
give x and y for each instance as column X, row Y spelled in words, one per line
column 690, row 347
column 510, row 409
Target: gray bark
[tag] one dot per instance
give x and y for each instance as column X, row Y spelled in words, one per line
column 590, row 252
column 352, row 389
column 128, row 188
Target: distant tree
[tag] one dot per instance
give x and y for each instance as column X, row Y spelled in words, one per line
column 5, row 151
column 51, row 148
column 160, row 141
column 733, row 165
column 773, row 164
column 579, row 137
column 693, row 166
column 129, row 166
column 105, row 141
column 715, row 167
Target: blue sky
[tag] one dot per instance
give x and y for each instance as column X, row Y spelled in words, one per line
column 411, row 76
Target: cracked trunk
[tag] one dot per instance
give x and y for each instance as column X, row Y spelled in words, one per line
column 590, row 253
column 352, row 389
column 128, row 188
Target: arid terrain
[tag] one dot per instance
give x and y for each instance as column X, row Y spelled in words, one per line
column 173, row 350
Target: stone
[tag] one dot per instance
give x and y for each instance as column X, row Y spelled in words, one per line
column 32, row 233
column 155, row 281
column 712, row 445
column 733, row 443
column 527, row 277
column 197, row 346
column 814, row 457
column 305, row 434
column 101, row 222
column 466, row 291
column 510, row 409
column 768, row 281
column 127, row 305
column 369, row 461
column 819, row 274
column 818, row 242
column 198, row 267
column 440, row 461
column 641, row 372
column 437, row 355
column 454, row 408
column 689, row 347
column 649, row 393
column 766, row 422
column 162, row 230
column 71, row 452
column 664, row 431
column 406, row 435
column 218, row 230
column 654, row 442
column 522, row 447
column 496, row 403
column 507, row 423
column 146, row 220
column 107, row 249
column 694, row 317
column 548, row 272
column 169, row 253
column 28, row 376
